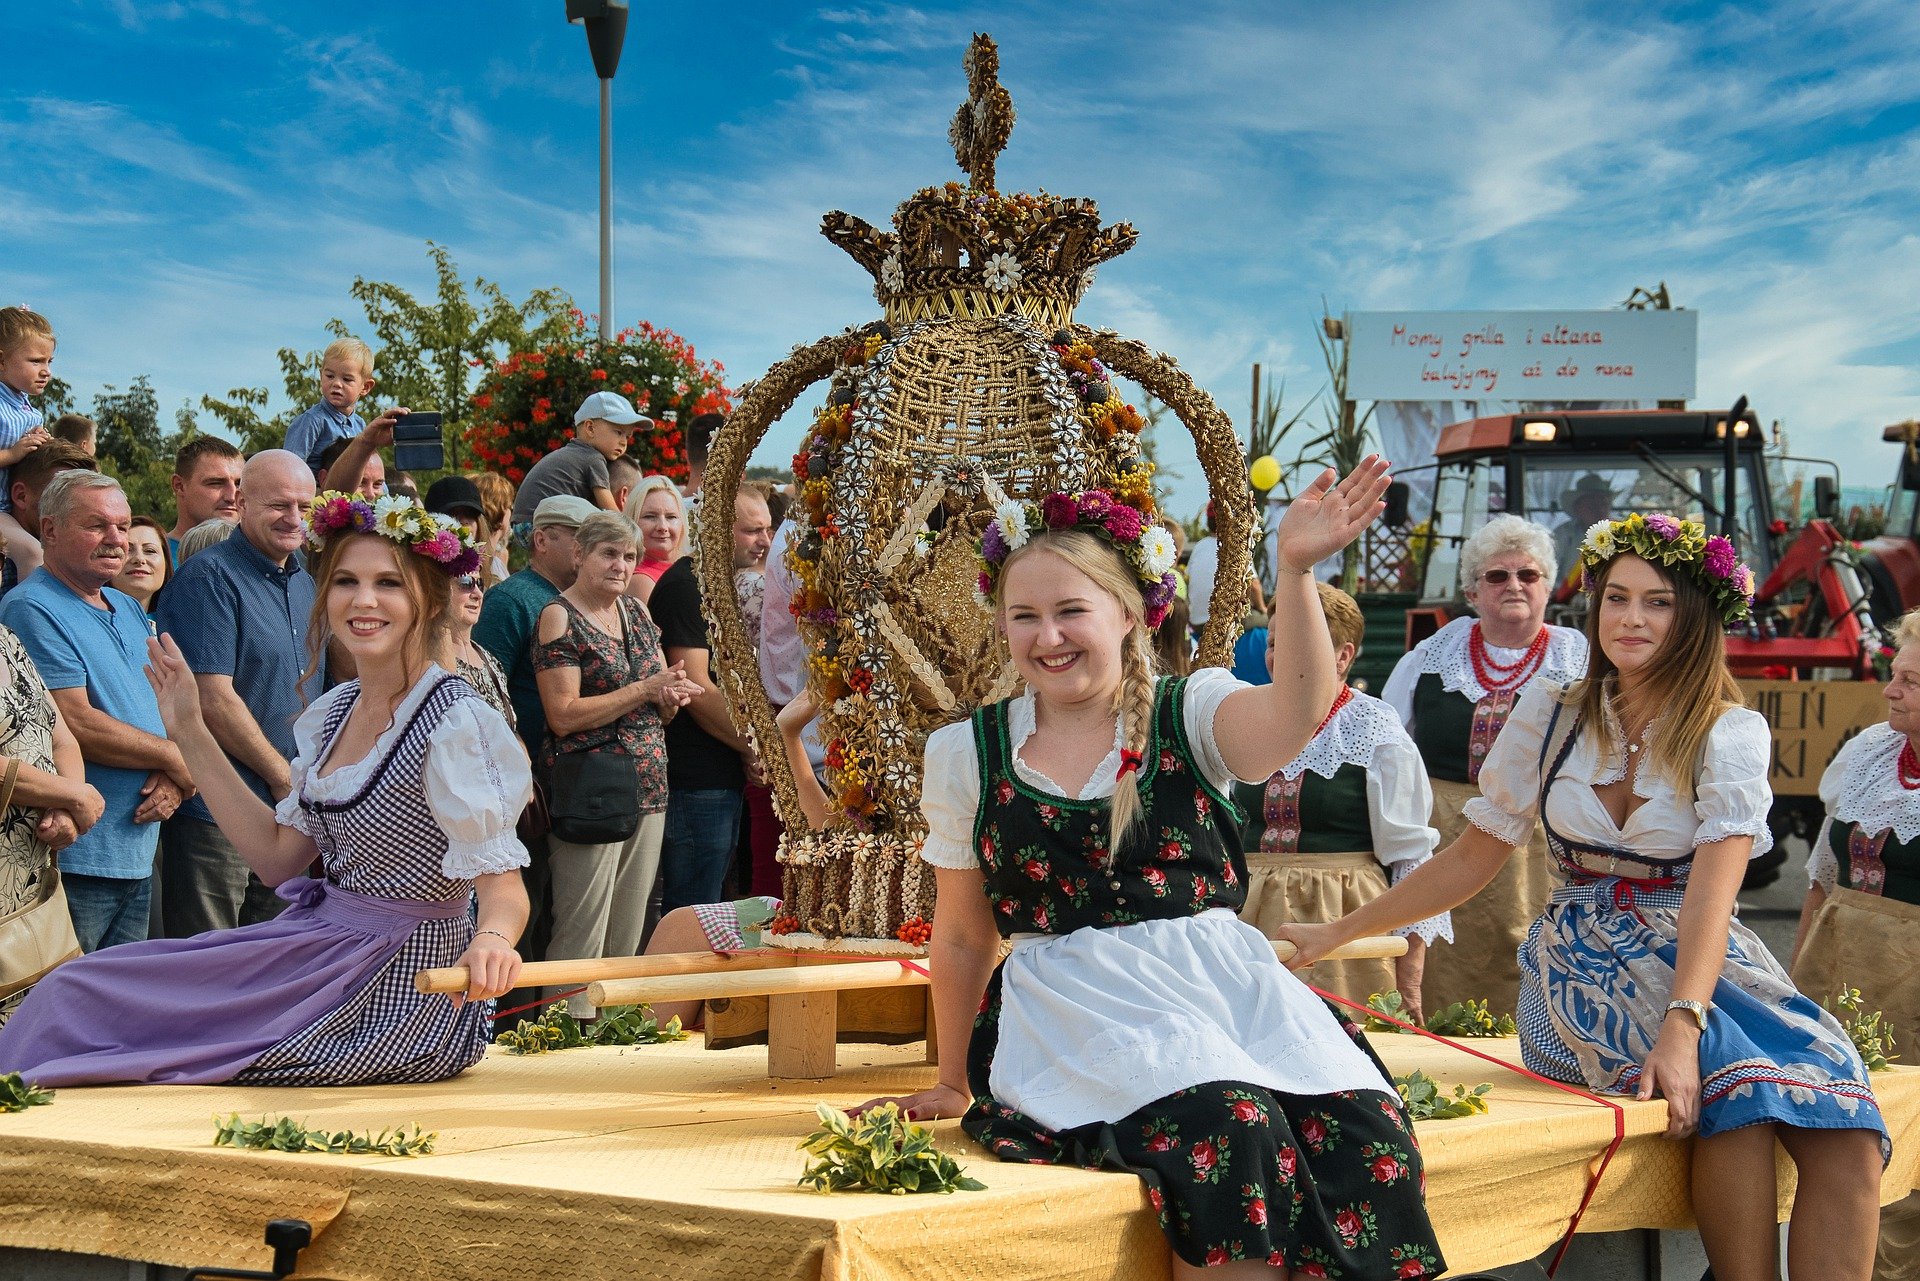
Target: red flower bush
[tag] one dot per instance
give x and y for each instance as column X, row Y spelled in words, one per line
column 523, row 407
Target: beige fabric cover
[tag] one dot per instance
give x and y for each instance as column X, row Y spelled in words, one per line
column 1313, row 888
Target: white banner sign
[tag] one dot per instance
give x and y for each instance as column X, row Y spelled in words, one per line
column 1521, row 355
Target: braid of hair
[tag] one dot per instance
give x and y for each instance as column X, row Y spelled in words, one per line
column 1136, row 724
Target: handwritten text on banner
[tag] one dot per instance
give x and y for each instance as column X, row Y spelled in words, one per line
column 1522, row 355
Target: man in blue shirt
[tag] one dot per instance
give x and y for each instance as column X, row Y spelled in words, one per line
column 510, row 613
column 240, row 612
column 89, row 642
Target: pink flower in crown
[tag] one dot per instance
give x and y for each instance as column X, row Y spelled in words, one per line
column 1720, row 559
column 1124, row 524
column 443, row 547
column 1095, row 504
column 1059, row 511
column 1665, row 526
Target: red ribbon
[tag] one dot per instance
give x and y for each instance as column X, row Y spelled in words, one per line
column 1130, row 763
column 1619, row 1112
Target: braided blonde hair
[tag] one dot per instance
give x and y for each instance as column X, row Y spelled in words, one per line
column 1102, row 562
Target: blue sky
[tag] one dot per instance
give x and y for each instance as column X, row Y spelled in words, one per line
column 192, row 184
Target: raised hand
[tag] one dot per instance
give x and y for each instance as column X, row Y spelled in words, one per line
column 1331, row 513
column 174, row 686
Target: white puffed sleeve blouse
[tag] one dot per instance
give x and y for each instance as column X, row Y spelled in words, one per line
column 1731, row 792
column 476, row 776
column 950, row 790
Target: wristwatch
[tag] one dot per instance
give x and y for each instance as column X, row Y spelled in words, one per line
column 1696, row 1008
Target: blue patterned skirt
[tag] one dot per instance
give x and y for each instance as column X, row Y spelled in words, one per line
column 1596, row 974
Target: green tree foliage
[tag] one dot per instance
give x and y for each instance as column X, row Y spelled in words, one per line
column 133, row 449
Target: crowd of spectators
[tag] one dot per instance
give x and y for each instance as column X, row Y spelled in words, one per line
column 583, row 626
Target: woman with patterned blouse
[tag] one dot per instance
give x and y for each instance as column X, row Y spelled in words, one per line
column 52, row 803
column 606, row 687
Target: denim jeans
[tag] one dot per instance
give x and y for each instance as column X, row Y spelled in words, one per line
column 703, row 825
column 107, row 910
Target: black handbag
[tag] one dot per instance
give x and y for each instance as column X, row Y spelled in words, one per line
column 596, row 798
column 595, row 795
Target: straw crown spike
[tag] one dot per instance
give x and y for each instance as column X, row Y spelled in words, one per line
column 970, row 249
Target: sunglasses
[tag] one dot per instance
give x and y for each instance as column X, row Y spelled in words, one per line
column 1500, row 576
column 468, row 582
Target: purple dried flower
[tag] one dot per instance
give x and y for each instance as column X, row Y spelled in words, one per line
column 1720, row 558
column 1665, row 526
column 1095, row 504
column 993, row 544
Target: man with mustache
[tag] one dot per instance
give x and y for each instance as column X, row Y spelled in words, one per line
column 89, row 642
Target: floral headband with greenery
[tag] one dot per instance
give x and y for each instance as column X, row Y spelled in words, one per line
column 1661, row 540
column 1146, row 547
column 438, row 538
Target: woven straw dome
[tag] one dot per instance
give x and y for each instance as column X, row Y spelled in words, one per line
column 977, row 387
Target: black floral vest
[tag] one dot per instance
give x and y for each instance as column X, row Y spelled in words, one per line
column 1048, row 860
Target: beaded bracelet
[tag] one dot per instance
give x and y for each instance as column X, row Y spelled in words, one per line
column 495, row 933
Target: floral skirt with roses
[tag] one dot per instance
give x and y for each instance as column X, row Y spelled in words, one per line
column 1327, row 1185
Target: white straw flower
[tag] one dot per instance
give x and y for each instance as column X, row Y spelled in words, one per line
column 1599, row 539
column 1002, row 273
column 1157, row 555
column 1012, row 519
column 891, row 275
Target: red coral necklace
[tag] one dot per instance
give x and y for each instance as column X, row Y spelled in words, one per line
column 1496, row 677
column 1340, row 700
column 1908, row 767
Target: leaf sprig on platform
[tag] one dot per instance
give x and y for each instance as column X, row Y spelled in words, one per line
column 556, row 1029
column 880, row 1151
column 1427, row 1100
column 17, row 1095
column 1871, row 1031
column 1461, row 1019
column 284, row 1134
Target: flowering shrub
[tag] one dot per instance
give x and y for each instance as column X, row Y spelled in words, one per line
column 523, row 408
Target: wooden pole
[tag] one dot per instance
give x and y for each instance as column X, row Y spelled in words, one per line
column 721, row 964
column 777, row 982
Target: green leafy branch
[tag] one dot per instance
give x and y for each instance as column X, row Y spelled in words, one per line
column 1871, row 1031
column 1461, row 1019
column 556, row 1029
column 16, row 1095
column 1426, row 1100
column 879, row 1152
column 284, row 1134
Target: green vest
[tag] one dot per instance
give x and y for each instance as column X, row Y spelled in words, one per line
column 1333, row 813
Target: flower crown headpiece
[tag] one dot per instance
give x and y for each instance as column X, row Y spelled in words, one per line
column 1673, row 544
column 438, row 538
column 1146, row 547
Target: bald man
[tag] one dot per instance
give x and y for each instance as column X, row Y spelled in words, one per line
column 239, row 611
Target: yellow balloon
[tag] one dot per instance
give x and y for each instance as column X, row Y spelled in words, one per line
column 1265, row 472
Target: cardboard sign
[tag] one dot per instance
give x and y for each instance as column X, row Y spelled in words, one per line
column 1811, row 720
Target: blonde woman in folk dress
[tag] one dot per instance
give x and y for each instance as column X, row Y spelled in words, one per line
column 1138, row 1024
column 1860, row 926
column 1454, row 691
column 1323, row 835
column 1651, row 781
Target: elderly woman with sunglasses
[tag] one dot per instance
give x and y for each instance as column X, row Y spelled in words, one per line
column 1454, row 691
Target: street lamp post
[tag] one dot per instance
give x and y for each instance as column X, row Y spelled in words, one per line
column 606, row 24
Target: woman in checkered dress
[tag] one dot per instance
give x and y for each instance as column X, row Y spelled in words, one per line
column 405, row 790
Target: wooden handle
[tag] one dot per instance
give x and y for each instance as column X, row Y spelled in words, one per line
column 1374, row 947
column 712, row 966
column 812, row 978
column 574, row 973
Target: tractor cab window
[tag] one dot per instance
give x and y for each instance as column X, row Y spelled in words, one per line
column 1567, row 494
column 1467, row 493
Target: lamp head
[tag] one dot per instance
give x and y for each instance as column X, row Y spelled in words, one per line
column 606, row 24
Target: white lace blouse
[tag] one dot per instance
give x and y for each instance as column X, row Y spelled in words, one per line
column 1863, row 786
column 1731, row 792
column 950, row 794
column 476, row 776
column 1445, row 653
column 1367, row 733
